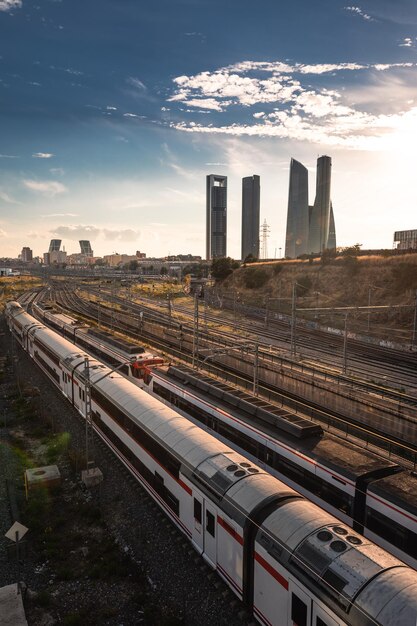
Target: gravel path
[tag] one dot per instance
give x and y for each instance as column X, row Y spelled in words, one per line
column 178, row 579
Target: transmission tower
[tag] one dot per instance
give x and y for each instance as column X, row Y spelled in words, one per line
column 264, row 239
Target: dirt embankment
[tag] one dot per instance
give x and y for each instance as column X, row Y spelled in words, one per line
column 345, row 281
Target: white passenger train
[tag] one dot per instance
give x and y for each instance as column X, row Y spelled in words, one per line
column 290, row 562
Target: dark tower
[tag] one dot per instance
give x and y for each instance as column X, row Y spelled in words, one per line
column 216, row 216
column 251, row 190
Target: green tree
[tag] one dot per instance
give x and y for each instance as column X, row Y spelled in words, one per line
column 221, row 268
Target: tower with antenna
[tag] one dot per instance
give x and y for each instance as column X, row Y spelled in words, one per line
column 265, row 230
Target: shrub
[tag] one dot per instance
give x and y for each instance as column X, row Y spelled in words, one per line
column 404, row 276
column 255, row 278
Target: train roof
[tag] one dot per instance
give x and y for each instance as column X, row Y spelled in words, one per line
column 391, row 598
column 399, row 489
column 179, row 435
column 330, row 554
column 347, row 459
column 244, row 496
column 117, row 342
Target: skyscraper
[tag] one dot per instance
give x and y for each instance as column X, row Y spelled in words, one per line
column 320, row 215
column 310, row 229
column 55, row 245
column 216, row 216
column 331, row 242
column 296, row 241
column 85, row 246
column 251, row 191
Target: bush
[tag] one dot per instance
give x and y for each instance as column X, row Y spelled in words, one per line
column 255, row 278
column 305, row 283
column 405, row 277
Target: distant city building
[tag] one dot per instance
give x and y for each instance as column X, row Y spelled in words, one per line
column 216, row 216
column 310, row 229
column 26, row 255
column 55, row 245
column 140, row 255
column 56, row 257
column 86, row 248
column 296, row 240
column 251, row 191
column 405, row 239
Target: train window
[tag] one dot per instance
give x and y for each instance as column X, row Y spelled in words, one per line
column 298, row 611
column 392, row 531
column 210, row 523
column 197, row 510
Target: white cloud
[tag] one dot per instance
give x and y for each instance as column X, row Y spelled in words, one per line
column 358, row 11
column 59, row 215
column 125, row 235
column 9, row 5
column 8, row 156
column 206, row 103
column 43, row 155
column 3, row 232
column 57, row 170
column 6, row 198
column 136, row 82
column 48, row 187
column 407, row 43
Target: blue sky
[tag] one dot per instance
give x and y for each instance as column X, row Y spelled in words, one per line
column 113, row 111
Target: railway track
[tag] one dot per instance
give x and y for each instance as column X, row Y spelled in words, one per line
column 389, row 443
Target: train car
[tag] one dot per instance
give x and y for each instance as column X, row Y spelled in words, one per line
column 334, row 474
column 112, row 350
column 290, row 562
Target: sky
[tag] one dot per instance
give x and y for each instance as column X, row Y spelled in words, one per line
column 112, row 113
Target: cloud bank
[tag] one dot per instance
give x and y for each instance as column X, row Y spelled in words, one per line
column 291, row 107
column 80, row 231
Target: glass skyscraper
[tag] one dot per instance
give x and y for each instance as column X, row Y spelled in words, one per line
column 296, row 241
column 310, row 229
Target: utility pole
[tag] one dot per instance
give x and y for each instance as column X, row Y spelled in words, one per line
column 369, row 307
column 195, row 333
column 266, row 311
column 293, row 320
column 256, row 371
column 345, row 346
column 88, row 416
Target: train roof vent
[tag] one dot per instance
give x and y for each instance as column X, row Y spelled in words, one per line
column 220, row 472
column 317, row 560
column 355, row 541
column 339, row 530
column 338, row 546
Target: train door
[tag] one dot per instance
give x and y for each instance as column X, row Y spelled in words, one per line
column 198, row 523
column 66, row 383
column 299, row 606
column 322, row 618
column 210, row 539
